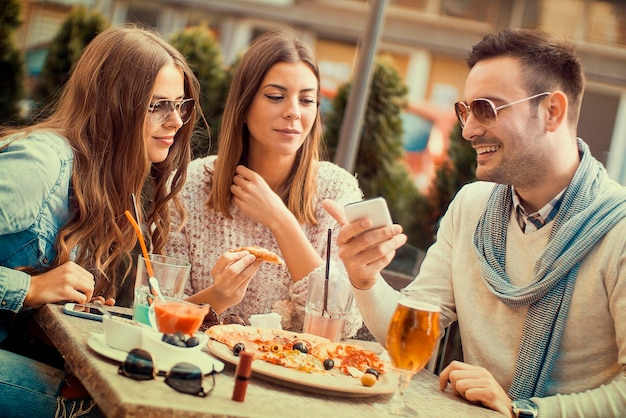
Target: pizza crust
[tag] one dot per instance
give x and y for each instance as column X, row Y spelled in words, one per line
column 254, row 337
column 260, row 254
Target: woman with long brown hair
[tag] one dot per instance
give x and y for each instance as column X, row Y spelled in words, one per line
column 264, row 188
column 66, row 182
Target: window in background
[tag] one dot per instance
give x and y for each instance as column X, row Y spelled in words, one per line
column 413, row 4
column 608, row 22
column 563, row 17
column 597, row 120
column 44, row 22
column 479, row 10
column 598, row 21
column 144, row 13
column 335, row 60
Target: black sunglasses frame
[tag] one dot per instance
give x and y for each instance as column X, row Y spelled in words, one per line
column 183, row 377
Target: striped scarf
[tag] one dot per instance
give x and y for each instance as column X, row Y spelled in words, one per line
column 587, row 213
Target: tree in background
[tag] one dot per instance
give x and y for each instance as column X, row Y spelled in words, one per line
column 11, row 62
column 379, row 166
column 75, row 33
column 202, row 51
column 454, row 172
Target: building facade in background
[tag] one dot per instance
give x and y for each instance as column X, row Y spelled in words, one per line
column 428, row 41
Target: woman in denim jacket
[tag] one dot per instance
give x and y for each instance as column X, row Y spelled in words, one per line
column 66, row 182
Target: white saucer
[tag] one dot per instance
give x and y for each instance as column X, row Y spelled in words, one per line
column 199, row 358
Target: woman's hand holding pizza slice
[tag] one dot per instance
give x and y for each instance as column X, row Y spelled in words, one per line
column 261, row 254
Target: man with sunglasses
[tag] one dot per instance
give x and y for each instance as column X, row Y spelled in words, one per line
column 531, row 259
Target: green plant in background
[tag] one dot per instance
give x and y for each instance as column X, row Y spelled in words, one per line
column 201, row 49
column 379, row 167
column 75, row 33
column 456, row 171
column 11, row 62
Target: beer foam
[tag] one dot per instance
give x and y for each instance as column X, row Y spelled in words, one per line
column 419, row 305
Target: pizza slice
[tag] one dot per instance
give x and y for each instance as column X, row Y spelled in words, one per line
column 349, row 358
column 260, row 254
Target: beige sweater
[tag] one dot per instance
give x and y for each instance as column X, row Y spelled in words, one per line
column 588, row 378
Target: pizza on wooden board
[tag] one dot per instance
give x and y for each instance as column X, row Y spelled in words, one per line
column 260, row 254
column 300, row 351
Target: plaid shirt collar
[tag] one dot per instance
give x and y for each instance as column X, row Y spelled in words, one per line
column 533, row 221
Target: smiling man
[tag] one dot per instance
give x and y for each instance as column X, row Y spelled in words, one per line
column 531, row 259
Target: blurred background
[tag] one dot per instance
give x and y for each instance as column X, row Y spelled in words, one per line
column 410, row 151
column 427, row 41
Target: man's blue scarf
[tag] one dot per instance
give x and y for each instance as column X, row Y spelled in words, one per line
column 588, row 211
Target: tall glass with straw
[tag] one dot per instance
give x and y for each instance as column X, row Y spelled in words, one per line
column 329, row 300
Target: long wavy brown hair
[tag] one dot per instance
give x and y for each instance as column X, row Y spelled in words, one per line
column 102, row 112
column 268, row 49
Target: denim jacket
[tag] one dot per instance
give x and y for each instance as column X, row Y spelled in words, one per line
column 35, row 174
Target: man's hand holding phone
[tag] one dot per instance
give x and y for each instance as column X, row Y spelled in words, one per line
column 366, row 246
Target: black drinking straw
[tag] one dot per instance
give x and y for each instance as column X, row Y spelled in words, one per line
column 327, row 273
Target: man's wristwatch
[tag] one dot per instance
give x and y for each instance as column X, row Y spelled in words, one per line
column 524, row 408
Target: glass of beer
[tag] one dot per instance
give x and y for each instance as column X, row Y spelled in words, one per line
column 411, row 338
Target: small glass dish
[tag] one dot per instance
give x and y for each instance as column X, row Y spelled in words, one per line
column 171, row 315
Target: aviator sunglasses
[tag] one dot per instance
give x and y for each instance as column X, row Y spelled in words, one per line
column 161, row 110
column 183, row 377
column 485, row 112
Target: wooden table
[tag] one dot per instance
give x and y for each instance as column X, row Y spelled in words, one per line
column 119, row 396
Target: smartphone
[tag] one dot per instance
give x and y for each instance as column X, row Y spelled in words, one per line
column 89, row 311
column 374, row 208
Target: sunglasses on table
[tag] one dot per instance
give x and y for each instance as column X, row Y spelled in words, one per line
column 183, row 377
column 161, row 110
column 485, row 112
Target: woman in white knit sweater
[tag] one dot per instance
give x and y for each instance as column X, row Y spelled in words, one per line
column 264, row 188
